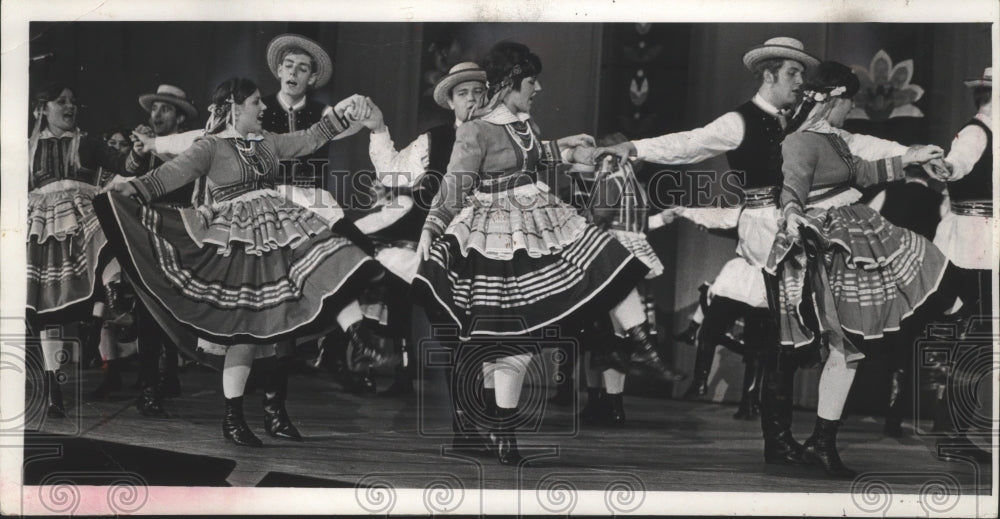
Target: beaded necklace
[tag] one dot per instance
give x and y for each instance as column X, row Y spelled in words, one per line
column 247, row 151
column 520, row 137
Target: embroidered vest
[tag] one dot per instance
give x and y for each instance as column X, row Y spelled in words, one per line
column 759, row 155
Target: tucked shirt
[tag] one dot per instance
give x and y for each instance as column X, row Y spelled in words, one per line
column 967, row 147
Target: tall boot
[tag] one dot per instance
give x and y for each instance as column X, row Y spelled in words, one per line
column 92, row 342
column 822, row 447
column 402, row 380
column 54, row 394
column 234, row 426
column 112, row 380
column 171, row 379
column 643, row 352
column 361, row 350
column 596, row 407
column 704, row 356
column 276, row 421
column 121, row 301
column 504, row 439
column 566, row 384
column 894, row 414
column 465, row 434
column 749, row 408
column 776, row 413
column 150, row 400
column 616, row 410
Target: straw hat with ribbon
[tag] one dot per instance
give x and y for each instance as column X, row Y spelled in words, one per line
column 276, row 50
column 781, row 47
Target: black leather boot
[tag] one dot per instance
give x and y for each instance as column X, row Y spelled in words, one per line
column 689, row 334
column 595, row 409
column 776, row 414
column 150, row 400
column 276, row 421
column 644, row 353
column 616, row 410
column 234, row 426
column 171, row 378
column 121, row 301
column 54, row 394
column 466, row 437
column 894, row 414
column 821, row 447
column 362, row 352
column 749, row 408
column 503, row 438
column 704, row 355
column 111, row 381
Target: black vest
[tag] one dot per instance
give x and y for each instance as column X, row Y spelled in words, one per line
column 277, row 120
column 441, row 140
column 913, row 206
column 759, row 155
column 978, row 184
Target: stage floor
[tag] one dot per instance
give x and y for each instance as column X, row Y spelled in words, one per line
column 366, row 440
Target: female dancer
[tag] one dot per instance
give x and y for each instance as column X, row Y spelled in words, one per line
column 867, row 274
column 248, row 266
column 515, row 258
column 64, row 238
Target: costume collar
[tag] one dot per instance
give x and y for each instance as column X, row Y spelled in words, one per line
column 47, row 134
column 230, row 133
column 502, row 115
column 766, row 106
column 293, row 108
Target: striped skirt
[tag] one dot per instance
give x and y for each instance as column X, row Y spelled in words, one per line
column 571, row 268
column 63, row 246
column 871, row 274
column 259, row 271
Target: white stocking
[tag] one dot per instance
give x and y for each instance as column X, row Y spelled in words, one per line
column 236, row 370
column 509, row 377
column 835, row 382
column 349, row 315
column 108, row 345
column 614, row 381
column 488, row 381
column 630, row 312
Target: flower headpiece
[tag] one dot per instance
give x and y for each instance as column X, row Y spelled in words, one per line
column 821, row 97
column 218, row 115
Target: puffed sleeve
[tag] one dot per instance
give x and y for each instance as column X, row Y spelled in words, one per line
column 304, row 142
column 398, row 168
column 185, row 168
column 466, row 162
column 799, row 159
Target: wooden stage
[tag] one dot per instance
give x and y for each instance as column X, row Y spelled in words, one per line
column 356, row 440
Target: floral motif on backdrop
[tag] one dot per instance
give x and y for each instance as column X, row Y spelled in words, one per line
column 886, row 91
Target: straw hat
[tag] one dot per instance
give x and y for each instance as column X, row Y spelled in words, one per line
column 277, row 47
column 780, row 47
column 169, row 94
column 460, row 73
column 985, row 80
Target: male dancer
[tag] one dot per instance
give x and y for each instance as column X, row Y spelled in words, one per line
column 751, row 137
column 964, row 236
column 410, row 178
column 169, row 110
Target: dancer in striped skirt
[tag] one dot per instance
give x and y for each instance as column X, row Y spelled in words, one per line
column 247, row 266
column 506, row 257
column 858, row 276
column 64, row 238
